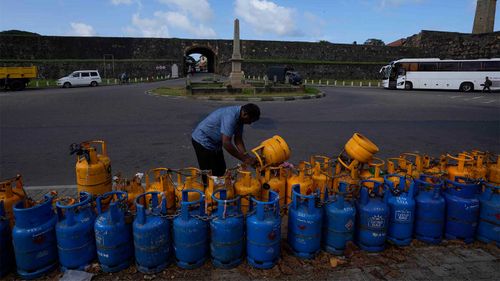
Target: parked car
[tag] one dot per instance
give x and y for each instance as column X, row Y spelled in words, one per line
column 281, row 72
column 80, row 78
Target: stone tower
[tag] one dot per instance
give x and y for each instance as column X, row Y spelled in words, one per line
column 236, row 74
column 485, row 16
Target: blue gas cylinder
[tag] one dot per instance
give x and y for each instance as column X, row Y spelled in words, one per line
column 228, row 231
column 113, row 236
column 264, row 232
column 488, row 229
column 75, row 232
column 373, row 216
column 430, row 209
column 34, row 238
column 151, row 230
column 191, row 232
column 339, row 219
column 400, row 191
column 462, row 209
column 6, row 253
column 305, row 220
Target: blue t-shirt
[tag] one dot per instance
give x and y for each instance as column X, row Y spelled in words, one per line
column 224, row 120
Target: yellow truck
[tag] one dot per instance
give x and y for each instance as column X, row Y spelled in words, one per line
column 16, row 78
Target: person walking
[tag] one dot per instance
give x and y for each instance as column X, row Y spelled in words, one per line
column 219, row 130
column 487, row 84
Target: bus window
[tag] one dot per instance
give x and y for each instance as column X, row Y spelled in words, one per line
column 491, row 65
column 470, row 66
column 448, row 66
column 413, row 67
column 401, row 71
column 427, row 66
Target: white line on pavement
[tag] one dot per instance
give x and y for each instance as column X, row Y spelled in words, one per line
column 454, row 97
column 490, row 101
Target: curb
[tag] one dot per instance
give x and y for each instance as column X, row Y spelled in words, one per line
column 321, row 94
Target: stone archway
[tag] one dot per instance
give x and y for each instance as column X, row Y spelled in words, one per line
column 205, row 51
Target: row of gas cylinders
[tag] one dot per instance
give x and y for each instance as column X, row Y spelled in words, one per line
column 370, row 213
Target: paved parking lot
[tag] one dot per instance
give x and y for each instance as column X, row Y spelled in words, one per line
column 143, row 131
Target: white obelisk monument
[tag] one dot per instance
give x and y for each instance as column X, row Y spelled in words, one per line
column 236, row 75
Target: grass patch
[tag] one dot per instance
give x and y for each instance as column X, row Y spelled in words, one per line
column 207, row 85
column 247, row 93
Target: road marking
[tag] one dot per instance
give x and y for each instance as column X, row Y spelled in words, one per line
column 476, row 97
column 454, row 97
column 490, row 101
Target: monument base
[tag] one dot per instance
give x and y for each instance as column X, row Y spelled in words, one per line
column 235, row 79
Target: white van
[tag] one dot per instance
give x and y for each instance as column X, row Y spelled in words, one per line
column 80, row 78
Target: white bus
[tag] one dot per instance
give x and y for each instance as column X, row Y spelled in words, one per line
column 432, row 73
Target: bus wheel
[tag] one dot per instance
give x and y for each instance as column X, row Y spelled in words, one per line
column 466, row 87
column 408, row 85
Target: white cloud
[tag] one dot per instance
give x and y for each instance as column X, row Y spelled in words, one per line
column 187, row 16
column 82, row 29
column 267, row 17
column 120, row 2
column 396, row 3
column 181, row 21
column 200, row 10
column 147, row 27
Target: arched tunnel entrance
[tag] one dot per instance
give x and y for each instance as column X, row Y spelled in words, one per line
column 199, row 59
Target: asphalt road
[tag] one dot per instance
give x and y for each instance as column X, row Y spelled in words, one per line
column 143, row 131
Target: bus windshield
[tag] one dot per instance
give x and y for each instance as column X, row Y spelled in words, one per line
column 385, row 71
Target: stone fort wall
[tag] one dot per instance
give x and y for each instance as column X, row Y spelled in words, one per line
column 57, row 56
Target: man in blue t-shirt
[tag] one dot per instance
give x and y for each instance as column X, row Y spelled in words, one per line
column 217, row 131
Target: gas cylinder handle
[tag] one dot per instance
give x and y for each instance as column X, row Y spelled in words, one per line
column 466, row 158
column 103, row 146
column 375, row 164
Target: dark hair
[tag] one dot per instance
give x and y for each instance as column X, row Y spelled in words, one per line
column 252, row 110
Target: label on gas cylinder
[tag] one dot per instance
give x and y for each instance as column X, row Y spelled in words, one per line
column 349, row 224
column 402, row 216
column 376, row 221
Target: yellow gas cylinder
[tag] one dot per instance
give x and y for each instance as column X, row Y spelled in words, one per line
column 214, row 184
column 302, row 176
column 461, row 168
column 272, row 152
column 93, row 170
column 494, row 171
column 247, row 186
column 417, row 165
column 189, row 178
column 274, row 179
column 162, row 182
column 322, row 173
column 435, row 167
column 132, row 187
column 374, row 172
column 478, row 170
column 349, row 176
column 11, row 192
column 359, row 149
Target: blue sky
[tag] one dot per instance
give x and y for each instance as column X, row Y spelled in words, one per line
column 337, row 21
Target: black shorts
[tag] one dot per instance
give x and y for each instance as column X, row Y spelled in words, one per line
column 210, row 159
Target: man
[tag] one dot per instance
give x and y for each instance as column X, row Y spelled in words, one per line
column 217, row 131
column 487, row 84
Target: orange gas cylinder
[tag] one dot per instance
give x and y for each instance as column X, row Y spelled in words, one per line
column 274, row 179
column 322, row 174
column 461, row 168
column 189, row 178
column 302, row 176
column 162, row 182
column 272, row 152
column 359, row 149
column 214, row 184
column 132, row 187
column 11, row 192
column 374, row 172
column 93, row 170
column 494, row 171
column 246, row 186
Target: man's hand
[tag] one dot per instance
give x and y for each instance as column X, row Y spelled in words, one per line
column 249, row 160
